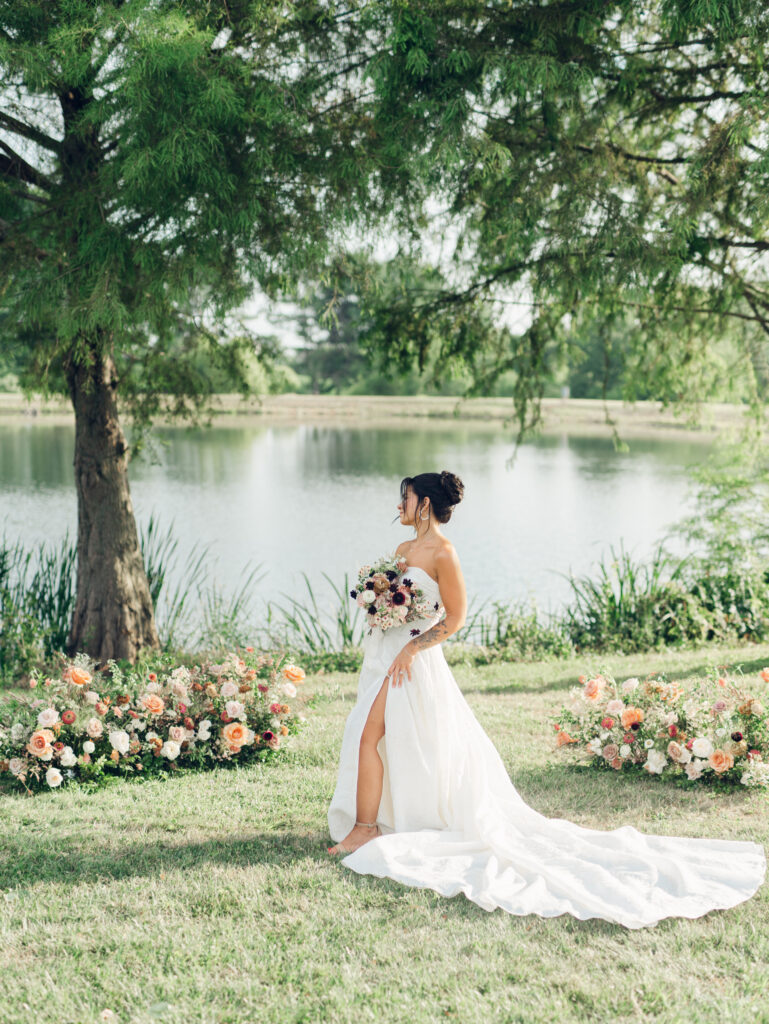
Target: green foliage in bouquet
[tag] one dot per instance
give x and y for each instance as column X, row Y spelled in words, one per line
column 88, row 725
column 710, row 730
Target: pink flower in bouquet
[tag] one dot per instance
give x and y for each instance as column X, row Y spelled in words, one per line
column 117, row 712
column 68, row 717
column 755, row 755
column 94, row 728
column 615, row 707
column 721, row 761
column 100, row 708
column 47, row 717
column 182, row 708
column 617, row 763
column 593, row 688
column 672, row 730
column 719, row 706
column 607, row 723
column 229, row 689
column 177, row 733
column 610, row 751
column 689, row 744
column 275, row 708
column 234, row 708
column 262, row 687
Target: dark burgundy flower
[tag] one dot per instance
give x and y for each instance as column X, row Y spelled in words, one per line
column 371, row 609
column 405, row 582
column 353, row 593
column 435, row 606
column 635, row 726
column 415, row 632
column 393, row 587
column 267, row 736
column 371, row 573
column 736, row 736
column 399, row 598
column 369, row 584
column 390, row 574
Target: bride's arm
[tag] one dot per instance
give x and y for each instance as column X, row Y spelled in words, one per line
column 454, row 599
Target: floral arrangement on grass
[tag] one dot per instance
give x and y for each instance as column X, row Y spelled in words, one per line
column 389, row 597
column 87, row 724
column 706, row 731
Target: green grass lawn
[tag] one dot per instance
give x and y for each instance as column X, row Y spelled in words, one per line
column 210, row 898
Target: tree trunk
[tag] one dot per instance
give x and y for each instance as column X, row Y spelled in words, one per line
column 113, row 617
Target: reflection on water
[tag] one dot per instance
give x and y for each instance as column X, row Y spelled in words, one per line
column 322, row 498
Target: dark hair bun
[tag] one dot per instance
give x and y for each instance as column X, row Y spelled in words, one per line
column 453, row 487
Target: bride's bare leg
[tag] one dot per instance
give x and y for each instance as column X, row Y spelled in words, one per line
column 370, row 775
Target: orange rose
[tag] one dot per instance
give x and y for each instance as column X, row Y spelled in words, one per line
column 235, row 735
column 720, row 761
column 293, row 673
column 764, row 673
column 593, row 688
column 153, row 703
column 79, row 676
column 284, row 730
column 563, row 739
column 632, row 716
column 617, row 763
column 40, row 742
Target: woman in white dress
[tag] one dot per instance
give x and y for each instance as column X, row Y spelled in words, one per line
column 423, row 797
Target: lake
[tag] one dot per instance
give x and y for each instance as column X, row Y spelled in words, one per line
column 322, row 497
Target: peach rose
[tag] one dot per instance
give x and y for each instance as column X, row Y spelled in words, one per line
column 764, row 673
column 235, row 735
column 94, row 728
column 293, row 674
column 153, row 703
column 632, row 716
column 721, row 761
column 40, row 742
column 78, row 676
column 617, row 763
column 593, row 688
column 563, row 739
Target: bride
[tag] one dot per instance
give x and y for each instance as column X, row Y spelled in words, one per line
column 423, row 797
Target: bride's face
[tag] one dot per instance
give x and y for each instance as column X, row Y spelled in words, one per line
column 408, row 507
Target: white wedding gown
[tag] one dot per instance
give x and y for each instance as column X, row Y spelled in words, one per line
column 452, row 821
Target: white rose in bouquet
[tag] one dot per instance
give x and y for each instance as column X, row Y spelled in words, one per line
column 595, row 745
column 18, row 732
column 91, row 696
column 170, row 749
column 694, row 769
column 120, row 740
column 288, row 689
column 67, row 758
column 89, row 747
column 234, row 709
column 655, row 762
column 47, row 718
column 229, row 689
column 702, row 747
column 204, row 730
column 16, row 766
column 367, row 596
column 54, row 777
column 629, row 685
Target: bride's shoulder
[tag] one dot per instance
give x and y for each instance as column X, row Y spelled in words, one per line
column 446, row 559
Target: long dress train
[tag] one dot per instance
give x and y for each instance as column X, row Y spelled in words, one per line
column 452, row 821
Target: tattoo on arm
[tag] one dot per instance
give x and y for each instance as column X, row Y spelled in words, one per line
column 439, row 632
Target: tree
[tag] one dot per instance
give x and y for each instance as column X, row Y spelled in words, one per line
column 157, row 157
column 594, row 161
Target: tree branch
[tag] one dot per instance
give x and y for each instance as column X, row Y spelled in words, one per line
column 13, row 166
column 27, row 130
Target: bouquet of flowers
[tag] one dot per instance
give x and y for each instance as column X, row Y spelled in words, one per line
column 89, row 724
column 389, row 597
column 709, row 730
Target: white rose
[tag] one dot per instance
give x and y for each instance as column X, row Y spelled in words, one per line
column 46, row 754
column 177, row 733
column 91, row 696
column 204, row 729
column 595, row 746
column 629, row 685
column 289, row 689
column 368, row 596
column 67, row 757
column 53, row 777
column 655, row 762
column 694, row 769
column 605, row 735
column 151, row 736
column 234, row 708
column 702, row 747
column 18, row 732
column 47, row 718
column 189, row 735
column 170, row 749
column 154, row 686
column 94, row 728
column 88, row 747
column 229, row 689
column 624, row 750
column 178, row 689
column 685, row 756
column 16, row 766
column 139, row 724
column 120, row 740
column 721, row 732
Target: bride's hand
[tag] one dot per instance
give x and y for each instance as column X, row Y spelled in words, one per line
column 400, row 667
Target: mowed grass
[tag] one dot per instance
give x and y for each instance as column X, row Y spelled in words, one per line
column 210, row 898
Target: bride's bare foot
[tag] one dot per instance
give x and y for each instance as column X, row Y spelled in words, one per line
column 360, row 834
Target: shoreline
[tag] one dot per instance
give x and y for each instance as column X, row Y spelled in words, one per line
column 559, row 415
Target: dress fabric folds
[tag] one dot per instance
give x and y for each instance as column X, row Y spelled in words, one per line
column 452, row 820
